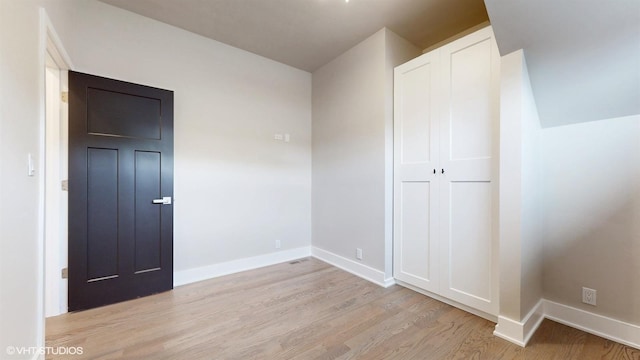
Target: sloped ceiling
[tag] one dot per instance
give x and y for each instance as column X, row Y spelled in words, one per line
column 583, row 56
column 307, row 34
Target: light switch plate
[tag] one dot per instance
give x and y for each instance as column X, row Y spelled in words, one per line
column 31, row 167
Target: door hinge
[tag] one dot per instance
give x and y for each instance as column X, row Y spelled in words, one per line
column 65, row 273
column 65, row 185
column 64, row 96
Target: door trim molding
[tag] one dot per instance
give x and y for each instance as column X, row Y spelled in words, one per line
column 50, row 42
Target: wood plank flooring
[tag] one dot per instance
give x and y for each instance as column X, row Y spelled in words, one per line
column 304, row 310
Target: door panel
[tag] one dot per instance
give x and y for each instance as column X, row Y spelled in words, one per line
column 415, row 123
column 102, row 213
column 470, row 241
column 417, row 257
column 120, row 160
column 470, row 113
column 148, row 235
column 118, row 114
column 415, row 160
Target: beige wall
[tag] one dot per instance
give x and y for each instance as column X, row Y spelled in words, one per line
column 592, row 215
column 352, row 162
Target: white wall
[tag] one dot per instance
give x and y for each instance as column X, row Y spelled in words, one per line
column 531, row 231
column 237, row 190
column 511, row 68
column 520, row 240
column 22, row 114
column 351, row 149
column 348, row 153
column 592, row 215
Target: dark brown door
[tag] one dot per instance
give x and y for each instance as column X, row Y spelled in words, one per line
column 120, row 191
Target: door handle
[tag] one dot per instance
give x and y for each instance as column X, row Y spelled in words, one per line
column 164, row 201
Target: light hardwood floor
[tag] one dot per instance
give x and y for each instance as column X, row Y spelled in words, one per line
column 304, row 310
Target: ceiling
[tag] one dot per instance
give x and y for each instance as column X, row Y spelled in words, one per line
column 583, row 56
column 307, row 34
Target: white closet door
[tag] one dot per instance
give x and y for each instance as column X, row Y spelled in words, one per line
column 415, row 184
column 469, row 117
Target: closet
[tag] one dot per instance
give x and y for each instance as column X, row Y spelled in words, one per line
column 446, row 123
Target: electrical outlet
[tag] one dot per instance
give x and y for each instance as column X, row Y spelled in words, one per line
column 589, row 296
column 278, row 245
column 358, row 253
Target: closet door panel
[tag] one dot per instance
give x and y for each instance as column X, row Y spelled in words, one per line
column 469, row 108
column 470, row 243
column 469, row 116
column 416, row 253
column 416, row 148
column 416, row 121
column 469, row 112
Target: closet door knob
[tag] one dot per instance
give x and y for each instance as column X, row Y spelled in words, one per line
column 443, row 171
column 434, row 171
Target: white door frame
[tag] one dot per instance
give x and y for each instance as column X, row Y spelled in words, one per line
column 54, row 62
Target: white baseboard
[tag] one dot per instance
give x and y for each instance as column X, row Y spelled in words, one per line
column 606, row 327
column 520, row 332
column 356, row 268
column 189, row 276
